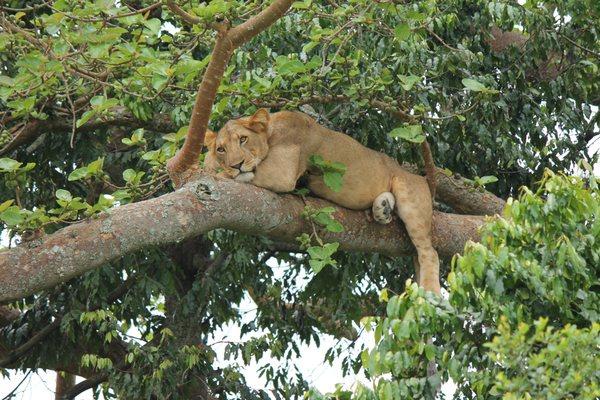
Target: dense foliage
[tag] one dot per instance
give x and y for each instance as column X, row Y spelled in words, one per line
column 522, row 318
column 95, row 97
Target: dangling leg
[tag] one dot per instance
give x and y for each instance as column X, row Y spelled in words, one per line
column 413, row 205
column 415, row 209
column 383, row 206
column 417, row 269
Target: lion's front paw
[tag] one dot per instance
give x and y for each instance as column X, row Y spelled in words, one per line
column 245, row 177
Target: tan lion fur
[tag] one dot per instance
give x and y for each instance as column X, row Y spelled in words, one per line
column 272, row 151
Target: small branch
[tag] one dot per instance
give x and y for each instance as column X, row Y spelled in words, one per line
column 120, row 117
column 20, row 351
column 252, row 27
column 439, row 39
column 35, row 339
column 585, row 49
column 85, row 385
column 129, row 14
column 12, row 392
column 190, row 19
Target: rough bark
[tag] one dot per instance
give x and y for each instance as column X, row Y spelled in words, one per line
column 64, row 382
column 200, row 206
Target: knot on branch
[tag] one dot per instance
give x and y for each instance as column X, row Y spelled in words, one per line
column 204, row 188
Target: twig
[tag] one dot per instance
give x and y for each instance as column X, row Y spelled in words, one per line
column 592, row 52
column 73, row 116
column 435, row 35
column 12, row 392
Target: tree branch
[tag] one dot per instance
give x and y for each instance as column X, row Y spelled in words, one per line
column 203, row 205
column 120, row 116
column 261, row 21
column 190, row 19
column 64, row 382
column 16, row 354
column 461, row 195
column 85, row 385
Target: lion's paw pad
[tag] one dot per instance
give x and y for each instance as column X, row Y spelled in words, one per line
column 383, row 206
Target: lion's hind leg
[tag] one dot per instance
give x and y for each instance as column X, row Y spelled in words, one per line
column 413, row 204
column 383, row 206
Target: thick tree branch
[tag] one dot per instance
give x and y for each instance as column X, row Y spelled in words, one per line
column 461, row 195
column 203, row 205
column 227, row 41
column 261, row 21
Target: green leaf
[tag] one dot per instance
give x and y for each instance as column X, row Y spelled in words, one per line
column 63, row 194
column 153, row 25
column 316, row 252
column 85, row 117
column 12, row 216
column 291, row 67
column 333, row 180
column 302, row 5
column 484, row 180
column 475, row 86
column 330, row 248
column 430, row 352
column 411, row 133
column 402, row 31
column 316, row 265
column 6, row 204
column 96, row 166
column 408, row 81
column 129, row 175
column 9, row 165
column 78, row 174
column 334, row 226
column 383, row 295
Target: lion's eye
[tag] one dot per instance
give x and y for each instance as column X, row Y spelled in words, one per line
column 243, row 139
column 220, row 150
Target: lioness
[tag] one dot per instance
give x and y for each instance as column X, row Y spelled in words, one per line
column 272, row 151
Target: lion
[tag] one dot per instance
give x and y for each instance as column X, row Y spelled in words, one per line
column 272, row 151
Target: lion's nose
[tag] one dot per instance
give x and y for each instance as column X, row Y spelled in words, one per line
column 237, row 166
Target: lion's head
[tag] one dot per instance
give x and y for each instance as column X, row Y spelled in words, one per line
column 241, row 144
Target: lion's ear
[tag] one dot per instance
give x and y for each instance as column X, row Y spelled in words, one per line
column 209, row 138
column 259, row 122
